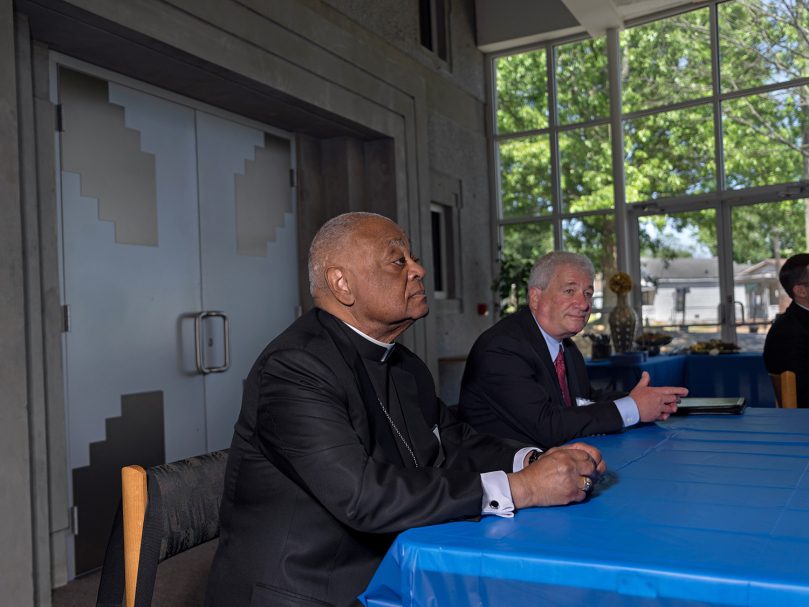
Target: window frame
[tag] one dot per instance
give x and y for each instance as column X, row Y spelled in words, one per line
column 446, row 197
column 626, row 212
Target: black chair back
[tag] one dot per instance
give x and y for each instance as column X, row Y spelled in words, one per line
column 182, row 512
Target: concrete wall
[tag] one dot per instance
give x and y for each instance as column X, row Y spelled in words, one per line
column 456, row 147
column 376, row 115
column 16, row 532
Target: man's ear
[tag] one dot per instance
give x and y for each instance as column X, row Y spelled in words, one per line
column 338, row 285
column 533, row 297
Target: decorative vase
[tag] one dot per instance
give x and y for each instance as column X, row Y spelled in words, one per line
column 623, row 321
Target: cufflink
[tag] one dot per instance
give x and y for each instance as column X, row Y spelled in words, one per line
column 494, row 504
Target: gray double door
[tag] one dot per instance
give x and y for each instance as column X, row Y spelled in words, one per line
column 179, row 263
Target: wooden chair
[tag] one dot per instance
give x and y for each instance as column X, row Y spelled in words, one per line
column 786, row 393
column 165, row 510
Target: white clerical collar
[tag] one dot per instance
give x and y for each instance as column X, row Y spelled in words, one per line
column 553, row 344
column 388, row 347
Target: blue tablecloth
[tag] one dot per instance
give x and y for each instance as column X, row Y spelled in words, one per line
column 695, row 510
column 741, row 374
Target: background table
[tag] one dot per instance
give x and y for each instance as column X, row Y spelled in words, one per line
column 740, row 374
column 696, row 510
column 665, row 370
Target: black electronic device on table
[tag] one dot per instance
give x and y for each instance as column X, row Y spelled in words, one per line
column 711, row 405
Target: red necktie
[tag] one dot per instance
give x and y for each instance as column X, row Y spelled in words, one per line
column 559, row 363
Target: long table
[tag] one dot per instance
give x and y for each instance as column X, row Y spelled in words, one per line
column 740, row 374
column 696, row 510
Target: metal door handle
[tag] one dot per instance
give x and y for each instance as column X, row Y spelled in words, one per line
column 198, row 341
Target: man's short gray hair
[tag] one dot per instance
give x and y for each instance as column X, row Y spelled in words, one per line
column 330, row 238
column 546, row 266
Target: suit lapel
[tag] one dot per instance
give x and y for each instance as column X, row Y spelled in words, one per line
column 380, row 434
column 537, row 343
column 575, row 380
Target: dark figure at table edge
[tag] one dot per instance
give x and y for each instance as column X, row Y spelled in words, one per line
column 786, row 347
column 511, row 386
column 341, row 442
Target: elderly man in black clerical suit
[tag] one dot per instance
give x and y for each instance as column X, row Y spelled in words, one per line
column 525, row 378
column 786, row 347
column 342, row 443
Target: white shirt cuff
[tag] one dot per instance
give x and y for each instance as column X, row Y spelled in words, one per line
column 496, row 494
column 628, row 410
column 519, row 457
column 497, row 498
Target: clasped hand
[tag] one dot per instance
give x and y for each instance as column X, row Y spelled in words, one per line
column 560, row 476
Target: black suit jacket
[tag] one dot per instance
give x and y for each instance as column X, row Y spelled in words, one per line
column 509, row 388
column 316, row 488
column 786, row 348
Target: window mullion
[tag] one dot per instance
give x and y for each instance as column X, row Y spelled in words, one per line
column 719, row 153
column 617, row 140
column 553, row 122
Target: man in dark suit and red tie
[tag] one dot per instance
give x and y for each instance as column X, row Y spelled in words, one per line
column 525, row 378
column 342, row 443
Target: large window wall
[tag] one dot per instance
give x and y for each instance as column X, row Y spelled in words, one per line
column 676, row 149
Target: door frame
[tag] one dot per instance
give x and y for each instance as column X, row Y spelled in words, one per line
column 55, row 61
